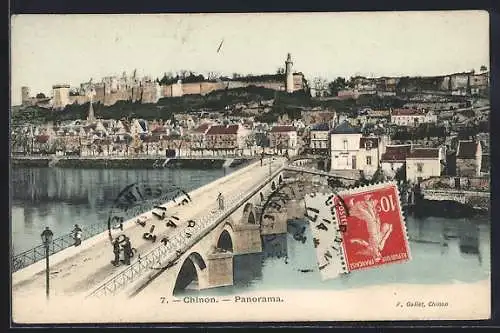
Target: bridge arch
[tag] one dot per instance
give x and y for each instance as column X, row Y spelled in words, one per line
column 226, row 239
column 190, row 272
column 280, row 179
column 248, row 214
column 261, row 197
column 273, row 186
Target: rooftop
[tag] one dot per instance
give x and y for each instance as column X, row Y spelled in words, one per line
column 467, row 149
column 396, row 153
column 281, row 129
column 202, row 128
column 321, row 127
column 345, row 128
column 223, row 129
column 408, row 112
column 417, row 153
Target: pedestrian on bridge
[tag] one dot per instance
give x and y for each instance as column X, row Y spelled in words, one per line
column 77, row 235
column 116, row 252
column 220, row 199
column 127, row 251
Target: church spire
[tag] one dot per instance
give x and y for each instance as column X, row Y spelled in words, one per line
column 91, row 116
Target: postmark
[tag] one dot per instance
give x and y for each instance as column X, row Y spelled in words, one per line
column 357, row 229
column 376, row 230
column 136, row 199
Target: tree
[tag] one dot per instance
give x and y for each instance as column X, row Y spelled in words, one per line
column 40, row 95
column 320, row 85
column 336, row 85
column 280, row 70
column 183, row 74
column 400, row 174
column 212, row 76
column 483, row 69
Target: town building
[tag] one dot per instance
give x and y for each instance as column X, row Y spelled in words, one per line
column 469, row 158
column 319, row 139
column 225, row 139
column 198, row 136
column 369, row 154
column 283, row 138
column 412, row 117
column 393, row 159
column 344, row 146
column 423, row 163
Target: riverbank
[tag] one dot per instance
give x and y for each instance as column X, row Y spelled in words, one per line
column 128, row 163
column 445, row 208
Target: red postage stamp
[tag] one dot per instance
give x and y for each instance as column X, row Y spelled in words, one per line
column 374, row 227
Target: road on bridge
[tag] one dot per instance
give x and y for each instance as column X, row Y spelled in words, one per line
column 80, row 273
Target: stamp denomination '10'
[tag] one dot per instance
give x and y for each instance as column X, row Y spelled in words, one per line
column 370, row 226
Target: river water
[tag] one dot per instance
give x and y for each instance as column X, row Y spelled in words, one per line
column 60, row 198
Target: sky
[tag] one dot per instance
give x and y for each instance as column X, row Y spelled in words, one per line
column 51, row 49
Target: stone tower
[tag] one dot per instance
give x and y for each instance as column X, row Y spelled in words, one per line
column 289, row 74
column 25, row 95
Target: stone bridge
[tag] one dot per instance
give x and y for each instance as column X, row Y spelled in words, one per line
column 199, row 252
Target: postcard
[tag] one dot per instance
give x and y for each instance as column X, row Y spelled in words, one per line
column 272, row 167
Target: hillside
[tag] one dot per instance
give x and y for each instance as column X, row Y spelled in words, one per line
column 222, row 100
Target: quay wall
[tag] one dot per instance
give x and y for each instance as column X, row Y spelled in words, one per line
column 127, row 163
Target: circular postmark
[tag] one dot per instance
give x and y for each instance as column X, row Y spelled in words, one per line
column 289, row 197
column 137, row 198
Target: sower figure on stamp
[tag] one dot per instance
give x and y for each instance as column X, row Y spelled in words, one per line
column 116, row 252
column 77, row 235
column 220, row 199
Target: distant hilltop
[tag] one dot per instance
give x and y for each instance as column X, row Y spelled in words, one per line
column 145, row 90
column 148, row 91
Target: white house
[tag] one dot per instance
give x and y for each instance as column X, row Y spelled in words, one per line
column 423, row 163
column 393, row 159
column 368, row 157
column 412, row 117
column 283, row 137
column 344, row 146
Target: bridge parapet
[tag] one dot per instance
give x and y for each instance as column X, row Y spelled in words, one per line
column 181, row 243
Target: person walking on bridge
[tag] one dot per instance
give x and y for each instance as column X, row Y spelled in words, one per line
column 77, row 235
column 220, row 199
column 116, row 252
column 127, row 251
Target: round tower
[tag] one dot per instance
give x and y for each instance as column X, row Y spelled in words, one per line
column 25, row 94
column 289, row 74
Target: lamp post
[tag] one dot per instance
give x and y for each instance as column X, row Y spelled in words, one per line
column 47, row 239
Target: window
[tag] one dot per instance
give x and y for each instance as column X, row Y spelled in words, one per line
column 345, row 144
column 368, row 160
column 420, row 167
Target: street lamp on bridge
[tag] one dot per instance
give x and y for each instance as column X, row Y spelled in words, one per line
column 47, row 239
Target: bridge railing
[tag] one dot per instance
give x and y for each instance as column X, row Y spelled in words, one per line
column 173, row 249
column 177, row 244
column 31, row 256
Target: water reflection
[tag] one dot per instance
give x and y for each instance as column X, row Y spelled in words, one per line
column 443, row 251
column 60, row 198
